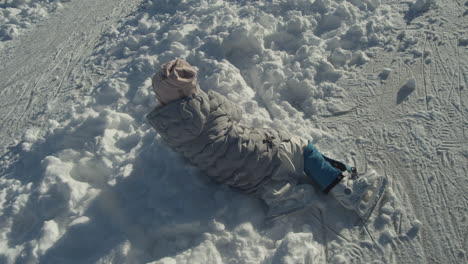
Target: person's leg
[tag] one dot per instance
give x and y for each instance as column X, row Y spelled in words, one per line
column 283, row 198
column 325, row 172
column 290, row 154
column 283, row 194
column 339, row 165
column 352, row 191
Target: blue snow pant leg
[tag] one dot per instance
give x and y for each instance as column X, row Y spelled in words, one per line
column 320, row 169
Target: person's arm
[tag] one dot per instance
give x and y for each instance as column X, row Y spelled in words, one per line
column 220, row 104
column 181, row 120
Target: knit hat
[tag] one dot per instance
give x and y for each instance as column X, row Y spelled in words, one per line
column 175, row 80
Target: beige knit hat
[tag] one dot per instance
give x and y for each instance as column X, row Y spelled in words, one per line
column 175, row 80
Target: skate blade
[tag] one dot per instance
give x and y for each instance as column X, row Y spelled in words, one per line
column 287, row 212
column 370, row 201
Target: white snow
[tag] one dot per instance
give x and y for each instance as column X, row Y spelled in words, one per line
column 19, row 15
column 85, row 179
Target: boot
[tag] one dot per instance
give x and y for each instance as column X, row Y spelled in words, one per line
column 359, row 192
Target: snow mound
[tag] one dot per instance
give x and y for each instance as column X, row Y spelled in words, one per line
column 421, row 5
column 281, row 51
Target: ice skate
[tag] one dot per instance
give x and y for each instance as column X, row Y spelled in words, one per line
column 360, row 192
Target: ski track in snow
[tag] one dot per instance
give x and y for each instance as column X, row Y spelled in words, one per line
column 48, row 62
column 84, row 178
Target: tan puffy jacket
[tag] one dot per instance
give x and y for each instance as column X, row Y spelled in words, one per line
column 205, row 128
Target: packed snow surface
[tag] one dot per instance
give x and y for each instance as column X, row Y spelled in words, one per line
column 18, row 15
column 85, row 179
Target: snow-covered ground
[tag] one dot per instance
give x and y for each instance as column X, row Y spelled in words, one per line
column 85, row 179
column 18, row 15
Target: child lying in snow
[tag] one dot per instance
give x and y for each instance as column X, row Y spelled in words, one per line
column 205, row 128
